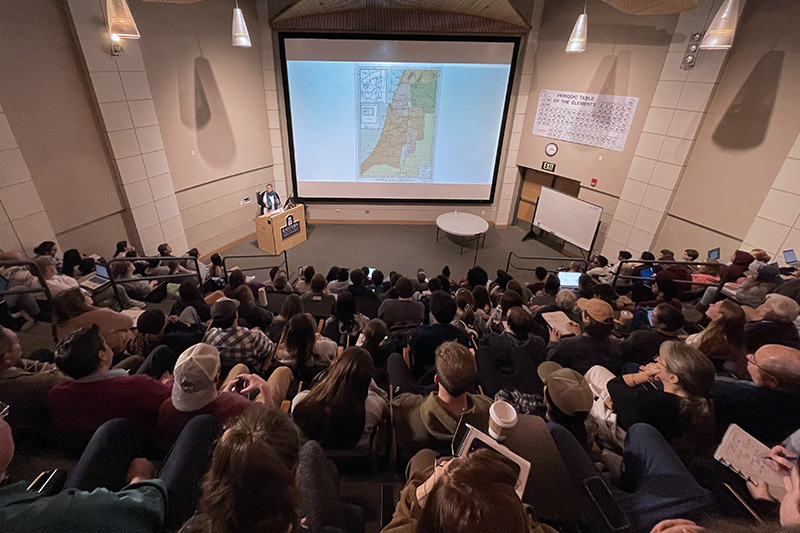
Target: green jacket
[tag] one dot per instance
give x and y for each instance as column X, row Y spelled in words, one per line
column 421, row 421
column 137, row 507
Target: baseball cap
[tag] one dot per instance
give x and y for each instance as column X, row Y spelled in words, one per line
column 567, row 388
column 598, row 309
column 224, row 308
column 196, row 373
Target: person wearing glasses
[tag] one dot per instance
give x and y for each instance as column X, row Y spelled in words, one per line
column 768, row 407
column 671, row 394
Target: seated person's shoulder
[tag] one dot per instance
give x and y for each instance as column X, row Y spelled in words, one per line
column 407, row 400
column 480, row 403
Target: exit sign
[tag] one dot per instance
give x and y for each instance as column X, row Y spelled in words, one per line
column 548, row 166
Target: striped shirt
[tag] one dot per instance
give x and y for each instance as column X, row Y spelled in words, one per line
column 240, row 345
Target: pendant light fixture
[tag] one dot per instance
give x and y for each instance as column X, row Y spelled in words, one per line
column 240, row 35
column 120, row 21
column 722, row 29
column 577, row 40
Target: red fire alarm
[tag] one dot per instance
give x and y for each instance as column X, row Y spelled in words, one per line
column 594, row 182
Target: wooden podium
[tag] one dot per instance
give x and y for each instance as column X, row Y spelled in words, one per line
column 280, row 231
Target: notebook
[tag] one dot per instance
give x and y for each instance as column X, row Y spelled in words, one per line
column 559, row 321
column 744, row 454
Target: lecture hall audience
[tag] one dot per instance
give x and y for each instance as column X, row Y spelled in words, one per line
column 653, row 400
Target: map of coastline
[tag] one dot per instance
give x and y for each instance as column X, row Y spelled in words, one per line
column 397, row 119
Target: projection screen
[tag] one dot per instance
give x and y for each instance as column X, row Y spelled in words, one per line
column 395, row 119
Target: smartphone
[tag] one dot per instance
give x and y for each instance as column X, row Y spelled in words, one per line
column 239, row 385
column 300, row 272
column 371, row 271
column 614, row 516
column 650, row 315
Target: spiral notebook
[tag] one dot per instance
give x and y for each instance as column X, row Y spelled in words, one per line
column 744, row 454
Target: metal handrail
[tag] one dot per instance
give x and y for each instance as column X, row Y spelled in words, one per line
column 36, row 271
column 654, row 262
column 117, row 281
column 285, row 262
column 509, row 264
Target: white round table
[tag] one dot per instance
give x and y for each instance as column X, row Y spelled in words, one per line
column 463, row 225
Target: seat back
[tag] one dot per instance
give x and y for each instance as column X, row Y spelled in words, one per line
column 367, row 306
column 275, row 301
column 318, row 308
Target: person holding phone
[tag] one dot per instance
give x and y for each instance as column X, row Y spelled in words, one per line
column 194, row 390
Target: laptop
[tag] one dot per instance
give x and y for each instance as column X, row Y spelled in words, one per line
column 791, row 258
column 713, row 254
column 3, row 284
column 96, row 280
column 569, row 280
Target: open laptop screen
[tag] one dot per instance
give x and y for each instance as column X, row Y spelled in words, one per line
column 101, row 270
column 569, row 280
column 713, row 254
column 789, row 256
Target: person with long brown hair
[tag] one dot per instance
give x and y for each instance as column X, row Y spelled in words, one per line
column 342, row 409
column 250, row 485
column 723, row 340
column 262, row 481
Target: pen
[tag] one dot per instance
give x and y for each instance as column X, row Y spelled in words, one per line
column 792, row 459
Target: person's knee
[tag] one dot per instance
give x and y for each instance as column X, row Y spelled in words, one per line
column 202, row 425
column 116, row 428
column 641, row 431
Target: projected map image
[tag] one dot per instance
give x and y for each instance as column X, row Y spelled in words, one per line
column 396, row 122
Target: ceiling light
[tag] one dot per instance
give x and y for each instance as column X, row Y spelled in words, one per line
column 577, row 40
column 120, row 20
column 240, row 35
column 722, row 28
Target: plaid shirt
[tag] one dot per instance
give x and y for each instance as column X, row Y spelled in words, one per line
column 240, row 345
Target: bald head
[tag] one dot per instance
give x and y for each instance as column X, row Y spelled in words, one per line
column 776, row 367
column 11, row 256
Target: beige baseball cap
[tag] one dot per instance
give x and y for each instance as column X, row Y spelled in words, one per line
column 196, row 373
column 598, row 309
column 567, row 388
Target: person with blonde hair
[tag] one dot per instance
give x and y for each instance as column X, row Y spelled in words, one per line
column 723, row 339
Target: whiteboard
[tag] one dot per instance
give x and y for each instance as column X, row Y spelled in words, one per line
column 566, row 217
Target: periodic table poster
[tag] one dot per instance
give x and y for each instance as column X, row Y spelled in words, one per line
column 601, row 120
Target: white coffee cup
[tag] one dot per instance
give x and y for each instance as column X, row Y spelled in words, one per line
column 502, row 417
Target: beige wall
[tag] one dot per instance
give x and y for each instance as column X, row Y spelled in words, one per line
column 209, row 98
column 624, row 56
column 48, row 105
column 752, row 123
